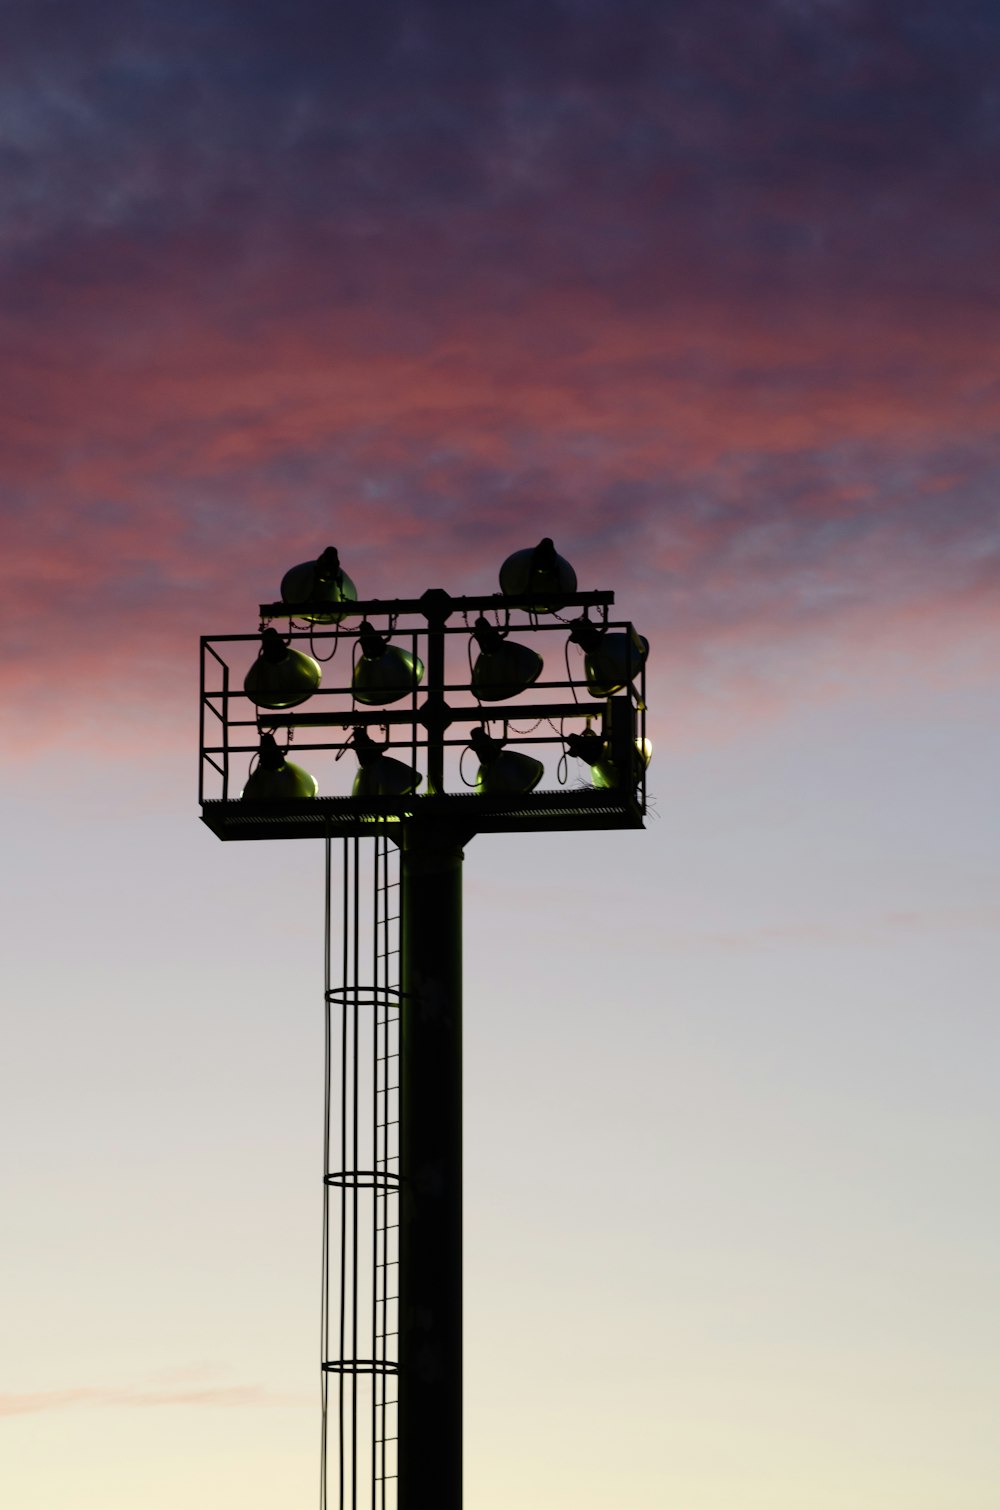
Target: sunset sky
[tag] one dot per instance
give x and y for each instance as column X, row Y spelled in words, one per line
column 710, row 293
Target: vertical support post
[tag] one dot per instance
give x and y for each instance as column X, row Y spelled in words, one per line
column 435, row 713
column 225, row 731
column 619, row 731
column 430, row 1147
column 201, row 725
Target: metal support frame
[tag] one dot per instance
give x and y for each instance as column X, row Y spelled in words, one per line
column 428, row 728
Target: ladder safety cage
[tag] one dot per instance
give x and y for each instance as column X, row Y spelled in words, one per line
column 359, row 1299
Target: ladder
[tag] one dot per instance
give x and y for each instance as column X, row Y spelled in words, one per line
column 359, row 1316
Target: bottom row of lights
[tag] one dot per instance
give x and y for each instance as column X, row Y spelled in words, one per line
column 501, row 773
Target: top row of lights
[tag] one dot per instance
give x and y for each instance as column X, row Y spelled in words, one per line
column 321, row 592
column 541, row 574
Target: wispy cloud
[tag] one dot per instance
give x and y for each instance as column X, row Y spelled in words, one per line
column 427, row 290
column 217, row 1396
column 885, row 929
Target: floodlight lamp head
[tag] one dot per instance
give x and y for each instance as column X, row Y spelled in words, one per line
column 588, row 747
column 585, row 633
column 604, row 768
column 270, row 755
column 503, row 668
column 365, row 748
column 540, row 573
column 280, row 677
column 319, row 582
column 372, row 644
column 487, row 748
column 379, row 775
column 503, row 772
column 327, row 567
column 487, row 636
column 609, row 772
column 276, row 779
column 612, row 658
column 384, row 673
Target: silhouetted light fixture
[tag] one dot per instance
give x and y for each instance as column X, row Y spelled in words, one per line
column 379, row 774
column 384, row 673
column 321, row 581
column 280, row 677
column 540, row 571
column 503, row 668
column 611, row 658
column 503, row 772
column 276, row 779
column 604, row 768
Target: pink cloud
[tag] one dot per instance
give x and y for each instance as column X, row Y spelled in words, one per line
column 748, row 475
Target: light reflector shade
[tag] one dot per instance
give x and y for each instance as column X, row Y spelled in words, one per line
column 275, row 778
column 380, row 775
column 540, row 573
column 384, row 672
column 503, row 668
column 280, row 677
column 612, row 658
column 604, row 769
column 321, row 581
column 503, row 772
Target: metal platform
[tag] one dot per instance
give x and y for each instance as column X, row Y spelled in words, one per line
column 580, row 808
column 428, row 724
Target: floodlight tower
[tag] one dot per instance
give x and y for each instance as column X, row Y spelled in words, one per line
column 402, row 679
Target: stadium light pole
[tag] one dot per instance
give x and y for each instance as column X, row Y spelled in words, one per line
column 408, row 692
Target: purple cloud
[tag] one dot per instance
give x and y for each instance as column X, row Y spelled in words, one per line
column 708, row 293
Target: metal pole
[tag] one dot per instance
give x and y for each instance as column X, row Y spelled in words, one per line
column 435, row 713
column 430, row 1145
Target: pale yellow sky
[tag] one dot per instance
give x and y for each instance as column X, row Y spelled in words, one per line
column 730, row 1235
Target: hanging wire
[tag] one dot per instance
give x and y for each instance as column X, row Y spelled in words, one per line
column 323, row 659
column 569, row 672
column 468, row 656
column 355, row 657
column 562, row 769
column 461, row 763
